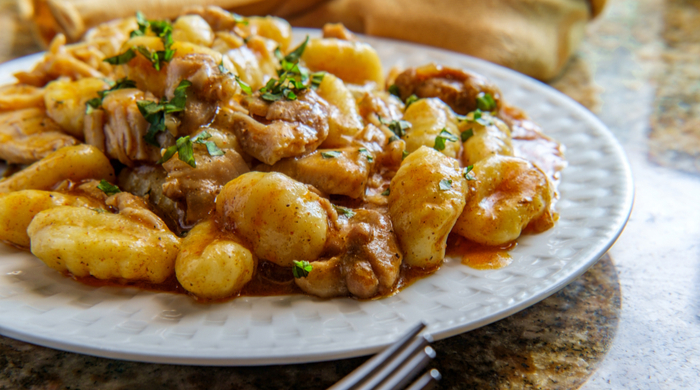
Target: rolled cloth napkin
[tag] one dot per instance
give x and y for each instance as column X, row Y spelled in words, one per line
column 535, row 37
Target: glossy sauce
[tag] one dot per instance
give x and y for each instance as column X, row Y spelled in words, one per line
column 479, row 256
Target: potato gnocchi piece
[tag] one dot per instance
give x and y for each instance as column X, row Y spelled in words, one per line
column 485, row 141
column 75, row 163
column 65, row 102
column 28, row 135
column 17, row 209
column 428, row 118
column 344, row 122
column 352, row 62
column 270, row 27
column 213, row 264
column 133, row 245
column 193, row 29
column 427, row 196
column 280, row 218
column 508, row 194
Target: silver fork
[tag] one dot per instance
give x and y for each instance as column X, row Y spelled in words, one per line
column 396, row 366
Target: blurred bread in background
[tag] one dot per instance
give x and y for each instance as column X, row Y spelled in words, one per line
column 534, row 37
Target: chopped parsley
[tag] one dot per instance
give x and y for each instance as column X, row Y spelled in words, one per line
column 442, row 137
column 154, row 113
column 387, row 192
column 393, row 138
column 397, row 127
column 331, row 154
column 467, row 173
column 411, row 99
column 239, row 19
column 222, row 68
column 465, row 135
column 301, row 269
column 292, row 79
column 108, row 188
column 394, row 90
column 479, row 117
column 244, row 86
column 317, row 79
column 95, row 103
column 161, row 28
column 404, row 154
column 485, row 102
column 367, row 154
column 185, row 149
column 445, row 184
column 344, row 211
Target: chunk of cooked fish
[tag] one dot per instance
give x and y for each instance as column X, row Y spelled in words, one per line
column 456, row 87
column 285, row 128
column 281, row 219
column 213, row 264
column 75, row 163
column 28, row 135
column 132, row 245
column 507, row 195
column 427, row 195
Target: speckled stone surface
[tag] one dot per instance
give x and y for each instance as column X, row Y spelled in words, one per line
column 638, row 70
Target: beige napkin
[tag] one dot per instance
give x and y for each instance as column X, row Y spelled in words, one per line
column 535, row 37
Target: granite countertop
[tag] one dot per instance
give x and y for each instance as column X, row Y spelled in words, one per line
column 632, row 321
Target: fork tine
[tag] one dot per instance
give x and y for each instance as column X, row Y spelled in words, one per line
column 408, row 370
column 394, row 363
column 374, row 364
column 426, row 381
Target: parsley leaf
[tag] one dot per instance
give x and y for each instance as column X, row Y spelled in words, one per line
column 467, row 174
column 108, row 188
column 442, row 137
column 344, row 211
column 185, row 149
column 404, row 154
column 142, row 23
column 317, row 79
column 223, row 69
column 411, row 99
column 394, row 90
column 244, row 86
column 393, row 138
column 369, row 156
column 295, row 55
column 292, row 78
column 92, row 105
column 445, row 184
column 154, row 113
column 121, row 59
column 301, row 269
column 239, row 19
column 397, row 127
column 485, row 102
column 387, row 192
column 465, row 135
column 331, row 154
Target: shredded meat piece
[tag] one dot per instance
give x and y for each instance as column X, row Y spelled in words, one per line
column 344, row 174
column 199, row 186
column 368, row 267
column 285, row 128
column 456, row 87
column 209, row 87
column 124, row 129
column 28, row 135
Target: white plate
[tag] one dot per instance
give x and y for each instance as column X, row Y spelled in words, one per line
column 40, row 306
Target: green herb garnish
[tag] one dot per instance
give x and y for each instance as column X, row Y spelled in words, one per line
column 485, row 102
column 244, row 86
column 239, row 19
column 108, row 188
column 411, row 99
column 121, row 59
column 331, row 154
column 404, row 154
column 442, row 137
column 445, row 184
column 154, row 113
column 467, row 173
column 317, row 79
column 292, row 78
column 386, row 192
column 185, row 149
column 397, row 127
column 465, row 135
column 344, row 211
column 301, row 269
column 394, row 90
column 367, row 154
